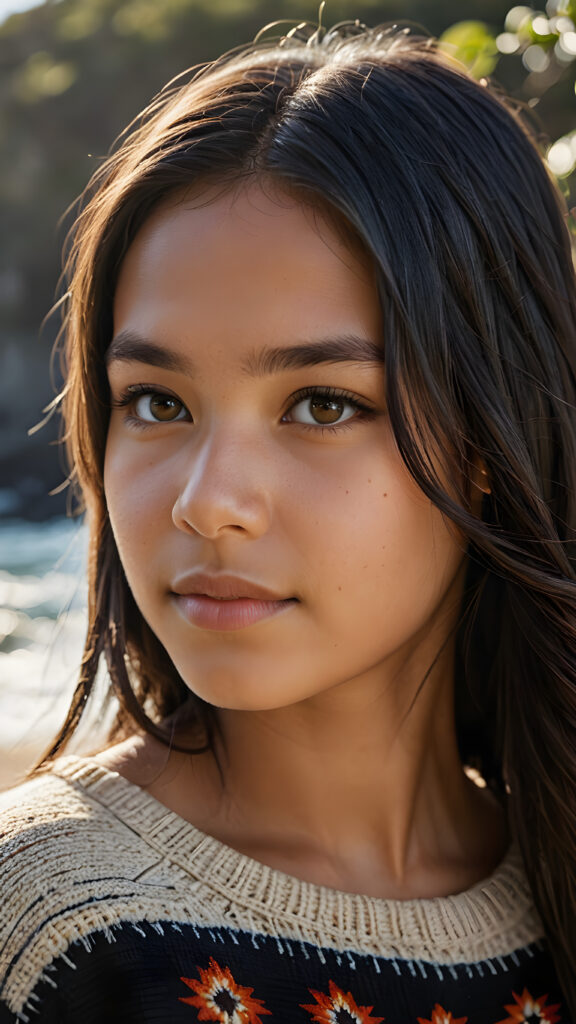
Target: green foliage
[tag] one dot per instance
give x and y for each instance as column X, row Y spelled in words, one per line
column 41, row 76
column 472, row 43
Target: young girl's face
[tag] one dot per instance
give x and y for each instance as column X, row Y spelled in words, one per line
column 249, row 438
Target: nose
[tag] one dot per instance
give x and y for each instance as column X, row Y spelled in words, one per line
column 225, row 489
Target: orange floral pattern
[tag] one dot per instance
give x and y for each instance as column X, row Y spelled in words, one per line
column 441, row 1016
column 528, row 1010
column 339, row 1008
column 219, row 998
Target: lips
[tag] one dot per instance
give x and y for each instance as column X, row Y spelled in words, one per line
column 223, row 587
column 224, row 602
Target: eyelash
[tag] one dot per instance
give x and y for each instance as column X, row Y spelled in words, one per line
column 364, row 411
column 132, row 394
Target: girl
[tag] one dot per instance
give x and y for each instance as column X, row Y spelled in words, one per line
column 321, row 361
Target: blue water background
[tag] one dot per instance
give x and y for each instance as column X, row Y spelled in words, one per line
column 42, row 627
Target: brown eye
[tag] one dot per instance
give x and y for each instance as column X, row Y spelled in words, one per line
column 156, row 407
column 327, row 410
column 323, row 410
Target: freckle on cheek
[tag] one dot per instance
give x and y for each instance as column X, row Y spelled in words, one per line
column 384, row 494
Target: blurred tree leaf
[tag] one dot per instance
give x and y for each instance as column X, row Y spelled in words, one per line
column 40, row 76
column 79, row 23
column 543, row 44
column 472, row 43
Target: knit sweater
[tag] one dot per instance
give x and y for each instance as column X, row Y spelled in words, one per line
column 113, row 910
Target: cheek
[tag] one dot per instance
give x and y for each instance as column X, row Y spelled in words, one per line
column 137, row 495
column 383, row 553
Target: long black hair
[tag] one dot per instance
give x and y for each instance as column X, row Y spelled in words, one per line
column 441, row 184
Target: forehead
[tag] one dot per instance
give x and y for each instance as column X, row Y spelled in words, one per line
column 249, row 262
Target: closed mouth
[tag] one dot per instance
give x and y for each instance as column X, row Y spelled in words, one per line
column 224, row 587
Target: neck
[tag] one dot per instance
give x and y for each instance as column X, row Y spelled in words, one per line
column 359, row 787
column 361, row 783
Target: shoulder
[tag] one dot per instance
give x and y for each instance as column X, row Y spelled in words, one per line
column 70, row 827
column 54, row 840
column 45, row 822
column 67, row 860
column 43, row 794
column 36, row 815
column 95, row 872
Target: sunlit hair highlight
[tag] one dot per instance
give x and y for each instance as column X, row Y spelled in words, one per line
column 439, row 182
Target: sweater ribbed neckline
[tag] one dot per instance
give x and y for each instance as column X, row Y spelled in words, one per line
column 497, row 907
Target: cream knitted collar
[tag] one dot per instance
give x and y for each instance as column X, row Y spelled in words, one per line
column 492, row 919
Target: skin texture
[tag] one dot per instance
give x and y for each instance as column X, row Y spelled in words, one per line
column 318, row 702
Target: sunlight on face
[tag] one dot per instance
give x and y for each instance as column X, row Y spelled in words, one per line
column 249, row 438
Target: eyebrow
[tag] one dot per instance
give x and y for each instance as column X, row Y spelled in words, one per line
column 127, row 346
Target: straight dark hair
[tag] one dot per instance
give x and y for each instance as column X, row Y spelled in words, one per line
column 436, row 177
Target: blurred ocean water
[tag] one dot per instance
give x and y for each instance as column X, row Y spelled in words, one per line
column 42, row 626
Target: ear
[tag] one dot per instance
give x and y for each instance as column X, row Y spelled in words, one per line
column 479, row 476
column 480, row 483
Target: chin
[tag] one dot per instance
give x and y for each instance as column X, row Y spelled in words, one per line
column 240, row 694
